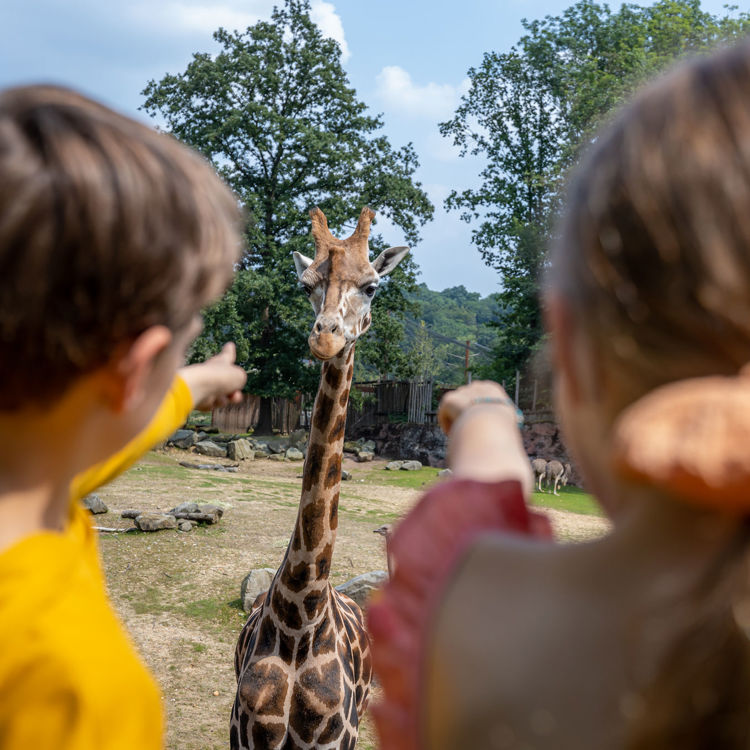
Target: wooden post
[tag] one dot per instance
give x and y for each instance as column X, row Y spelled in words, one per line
column 467, row 376
column 533, row 401
column 518, row 385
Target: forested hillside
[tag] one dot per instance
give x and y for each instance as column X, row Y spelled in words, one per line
column 436, row 337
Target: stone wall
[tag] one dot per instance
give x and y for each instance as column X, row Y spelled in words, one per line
column 427, row 443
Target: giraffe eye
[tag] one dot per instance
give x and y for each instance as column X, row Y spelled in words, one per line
column 370, row 290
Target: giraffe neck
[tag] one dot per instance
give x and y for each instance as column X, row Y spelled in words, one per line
column 308, row 557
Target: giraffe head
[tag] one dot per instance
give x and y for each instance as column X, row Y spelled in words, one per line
column 341, row 282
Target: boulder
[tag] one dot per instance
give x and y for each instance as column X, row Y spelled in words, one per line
column 183, row 439
column 213, row 509
column 361, row 587
column 365, row 456
column 130, row 513
column 94, row 504
column 352, row 446
column 239, row 450
column 394, row 465
column 185, row 526
column 183, row 508
column 411, row 466
column 294, row 454
column 298, row 439
column 261, row 446
column 368, row 445
column 254, row 583
column 277, row 457
column 345, row 475
column 445, row 473
column 155, row 521
column 209, row 448
column 261, row 454
column 277, row 445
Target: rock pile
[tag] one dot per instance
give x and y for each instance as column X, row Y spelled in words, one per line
column 241, row 447
column 184, row 517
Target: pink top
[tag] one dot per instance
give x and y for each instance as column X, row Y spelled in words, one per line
column 426, row 549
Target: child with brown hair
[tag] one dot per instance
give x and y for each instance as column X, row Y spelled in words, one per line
column 112, row 237
column 490, row 636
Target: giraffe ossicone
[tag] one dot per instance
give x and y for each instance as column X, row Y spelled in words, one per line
column 303, row 658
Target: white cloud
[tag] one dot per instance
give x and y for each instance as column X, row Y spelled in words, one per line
column 434, row 100
column 328, row 21
column 199, row 16
column 191, row 16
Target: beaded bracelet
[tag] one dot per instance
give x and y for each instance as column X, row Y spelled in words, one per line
column 499, row 400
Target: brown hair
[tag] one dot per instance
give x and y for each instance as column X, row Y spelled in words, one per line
column 653, row 257
column 106, row 228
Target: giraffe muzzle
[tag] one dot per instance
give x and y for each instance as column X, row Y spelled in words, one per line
column 326, row 345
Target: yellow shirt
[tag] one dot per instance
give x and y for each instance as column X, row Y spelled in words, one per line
column 69, row 677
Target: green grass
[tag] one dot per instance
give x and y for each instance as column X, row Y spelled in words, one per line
column 410, row 480
column 571, row 499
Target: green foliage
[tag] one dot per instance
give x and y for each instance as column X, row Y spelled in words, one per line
column 275, row 114
column 529, row 112
column 455, row 314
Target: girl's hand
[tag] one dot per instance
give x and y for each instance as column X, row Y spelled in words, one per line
column 485, row 443
column 480, row 393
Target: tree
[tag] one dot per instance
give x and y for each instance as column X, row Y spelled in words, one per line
column 529, row 112
column 274, row 113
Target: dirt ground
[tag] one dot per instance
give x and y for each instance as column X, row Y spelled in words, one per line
column 178, row 593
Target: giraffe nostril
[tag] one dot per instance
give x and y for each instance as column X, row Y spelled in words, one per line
column 334, row 328
column 318, row 327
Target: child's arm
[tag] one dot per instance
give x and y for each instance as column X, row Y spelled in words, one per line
column 205, row 386
column 485, row 443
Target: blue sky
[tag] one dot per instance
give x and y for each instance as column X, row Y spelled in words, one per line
column 407, row 59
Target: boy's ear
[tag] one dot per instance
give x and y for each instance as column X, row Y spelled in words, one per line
column 130, row 367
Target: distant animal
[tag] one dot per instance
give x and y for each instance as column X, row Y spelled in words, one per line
column 385, row 531
column 539, row 467
column 557, row 475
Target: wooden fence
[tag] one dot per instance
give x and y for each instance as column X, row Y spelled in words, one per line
column 237, row 418
column 391, row 400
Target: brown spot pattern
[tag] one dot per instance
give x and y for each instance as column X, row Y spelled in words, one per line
column 337, row 431
column 313, row 465
column 323, row 561
column 344, row 398
column 286, row 611
column 268, row 735
column 333, row 472
column 265, row 645
column 333, row 729
column 323, row 682
column 333, row 376
column 303, row 718
column 350, row 372
column 303, row 649
column 324, row 640
column 323, row 409
column 286, row 647
column 296, row 577
column 263, row 689
column 314, row 603
column 312, row 516
column 333, row 520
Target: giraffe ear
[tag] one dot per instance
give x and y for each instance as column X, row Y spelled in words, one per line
column 301, row 263
column 389, row 259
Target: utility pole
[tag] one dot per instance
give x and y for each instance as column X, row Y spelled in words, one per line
column 467, row 374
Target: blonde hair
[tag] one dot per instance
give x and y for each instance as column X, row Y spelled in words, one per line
column 653, row 257
column 106, row 228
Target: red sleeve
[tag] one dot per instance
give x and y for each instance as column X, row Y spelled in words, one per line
column 426, row 548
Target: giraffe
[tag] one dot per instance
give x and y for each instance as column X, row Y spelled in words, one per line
column 302, row 660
